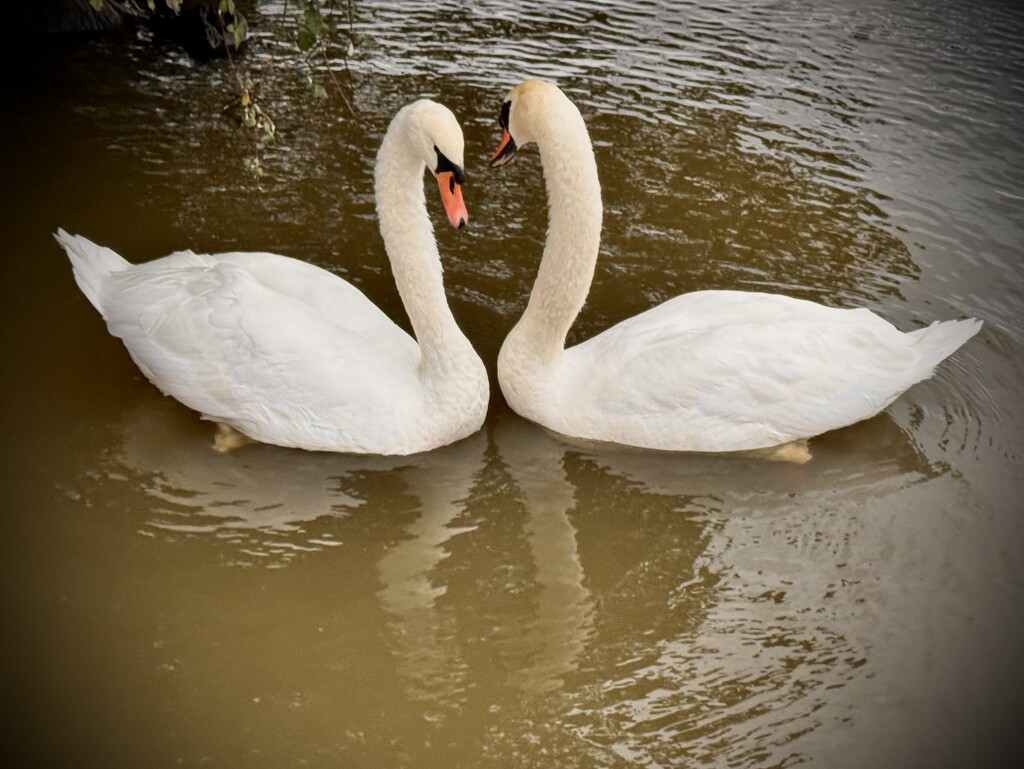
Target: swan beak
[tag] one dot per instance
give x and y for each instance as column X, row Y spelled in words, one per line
column 506, row 150
column 451, row 196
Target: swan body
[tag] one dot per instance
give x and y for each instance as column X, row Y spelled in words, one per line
column 708, row 371
column 290, row 354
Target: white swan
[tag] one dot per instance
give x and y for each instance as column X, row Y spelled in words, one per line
column 706, row 371
column 290, row 354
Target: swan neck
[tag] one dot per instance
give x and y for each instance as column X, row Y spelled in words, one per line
column 412, row 250
column 574, row 232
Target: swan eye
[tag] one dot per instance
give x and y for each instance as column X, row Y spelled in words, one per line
column 444, row 164
column 503, row 117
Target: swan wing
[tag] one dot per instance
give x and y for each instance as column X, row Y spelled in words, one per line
column 738, row 369
column 332, row 297
column 285, row 364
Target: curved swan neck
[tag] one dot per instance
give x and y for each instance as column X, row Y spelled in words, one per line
column 411, row 247
column 574, row 231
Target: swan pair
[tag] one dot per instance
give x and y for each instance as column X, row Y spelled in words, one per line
column 284, row 352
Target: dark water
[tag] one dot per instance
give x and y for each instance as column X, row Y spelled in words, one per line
column 510, row 600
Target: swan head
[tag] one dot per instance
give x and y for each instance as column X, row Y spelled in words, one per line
column 435, row 137
column 527, row 111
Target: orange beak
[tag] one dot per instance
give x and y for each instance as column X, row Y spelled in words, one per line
column 506, row 149
column 451, row 196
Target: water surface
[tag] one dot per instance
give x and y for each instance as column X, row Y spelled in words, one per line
column 512, row 600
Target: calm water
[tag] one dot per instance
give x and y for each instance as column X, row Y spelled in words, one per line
column 510, row 600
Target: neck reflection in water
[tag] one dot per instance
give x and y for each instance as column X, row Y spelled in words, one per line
column 515, row 571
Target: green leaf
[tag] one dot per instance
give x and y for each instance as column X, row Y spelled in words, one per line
column 252, row 165
column 97, row 5
column 235, row 111
column 306, row 39
column 313, row 21
column 238, row 29
column 319, row 91
column 174, row 5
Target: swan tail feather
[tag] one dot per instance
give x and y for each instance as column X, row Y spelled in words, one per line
column 91, row 264
column 941, row 339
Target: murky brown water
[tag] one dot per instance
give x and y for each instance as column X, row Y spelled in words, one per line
column 512, row 601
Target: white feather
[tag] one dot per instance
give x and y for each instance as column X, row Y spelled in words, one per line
column 706, row 371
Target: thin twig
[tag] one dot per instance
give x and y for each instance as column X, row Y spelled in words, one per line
column 337, row 85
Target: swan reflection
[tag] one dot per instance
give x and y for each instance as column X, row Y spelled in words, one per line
column 196, row 489
column 554, row 637
column 278, row 501
column 516, row 557
column 719, row 638
column 442, row 481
